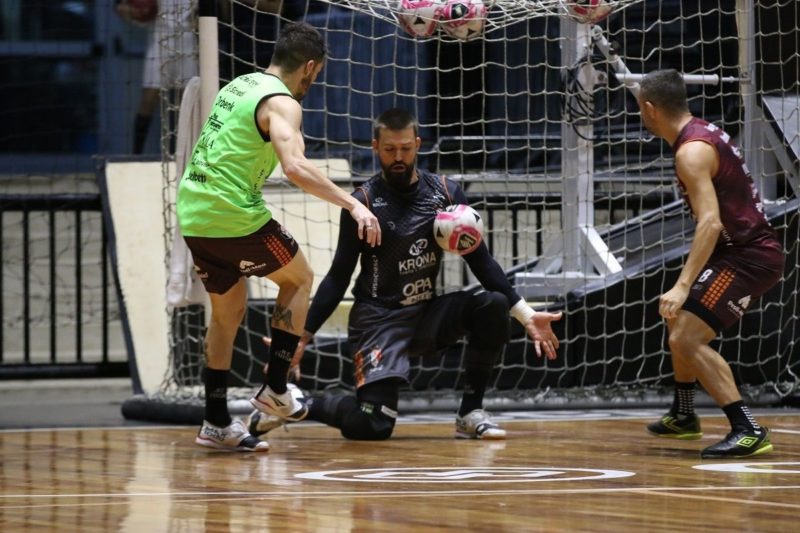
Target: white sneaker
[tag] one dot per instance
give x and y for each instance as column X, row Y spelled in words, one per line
column 287, row 406
column 259, row 423
column 233, row 438
column 478, row 425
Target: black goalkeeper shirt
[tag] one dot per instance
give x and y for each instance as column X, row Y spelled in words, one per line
column 404, row 269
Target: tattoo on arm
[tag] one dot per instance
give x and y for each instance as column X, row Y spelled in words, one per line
column 282, row 316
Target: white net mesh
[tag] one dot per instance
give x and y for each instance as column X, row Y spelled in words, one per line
column 545, row 138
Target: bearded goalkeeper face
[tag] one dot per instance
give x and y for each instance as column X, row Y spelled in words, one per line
column 397, row 153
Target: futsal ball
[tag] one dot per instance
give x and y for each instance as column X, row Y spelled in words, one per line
column 464, row 19
column 458, row 229
column 419, row 17
column 587, row 11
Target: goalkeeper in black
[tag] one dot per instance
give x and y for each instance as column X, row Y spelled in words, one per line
column 396, row 313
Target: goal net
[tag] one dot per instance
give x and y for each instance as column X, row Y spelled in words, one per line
column 536, row 119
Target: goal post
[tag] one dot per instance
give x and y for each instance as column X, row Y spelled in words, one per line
column 536, row 119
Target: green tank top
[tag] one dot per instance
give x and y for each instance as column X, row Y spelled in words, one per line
column 220, row 192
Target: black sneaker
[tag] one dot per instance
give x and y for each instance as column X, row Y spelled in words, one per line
column 740, row 443
column 685, row 427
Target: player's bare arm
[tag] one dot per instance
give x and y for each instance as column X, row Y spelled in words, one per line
column 695, row 163
column 281, row 117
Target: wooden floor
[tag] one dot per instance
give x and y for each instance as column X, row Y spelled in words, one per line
column 550, row 475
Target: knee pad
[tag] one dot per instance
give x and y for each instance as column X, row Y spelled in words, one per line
column 486, row 317
column 369, row 422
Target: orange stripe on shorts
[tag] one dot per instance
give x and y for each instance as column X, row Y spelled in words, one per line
column 717, row 288
column 277, row 249
column 358, row 365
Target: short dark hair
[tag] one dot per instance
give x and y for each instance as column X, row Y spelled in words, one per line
column 394, row 119
column 665, row 89
column 298, row 43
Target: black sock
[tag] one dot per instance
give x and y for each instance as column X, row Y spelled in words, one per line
column 141, row 124
column 683, row 401
column 471, row 400
column 479, row 365
column 216, row 412
column 740, row 417
column 281, row 352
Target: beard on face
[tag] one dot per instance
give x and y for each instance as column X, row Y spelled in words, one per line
column 398, row 175
column 302, row 90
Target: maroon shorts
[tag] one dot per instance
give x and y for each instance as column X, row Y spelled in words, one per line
column 221, row 261
column 730, row 283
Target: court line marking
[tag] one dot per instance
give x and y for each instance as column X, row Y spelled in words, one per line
column 727, row 500
column 390, row 493
column 788, row 431
column 462, row 475
column 226, row 497
column 446, row 418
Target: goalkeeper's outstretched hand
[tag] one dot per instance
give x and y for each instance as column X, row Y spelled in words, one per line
column 540, row 330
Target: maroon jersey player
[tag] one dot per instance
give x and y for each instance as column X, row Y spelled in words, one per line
column 735, row 257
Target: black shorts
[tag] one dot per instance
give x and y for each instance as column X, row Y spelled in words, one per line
column 729, row 284
column 382, row 340
column 221, row 261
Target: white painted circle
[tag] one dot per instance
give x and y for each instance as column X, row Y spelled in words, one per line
column 494, row 474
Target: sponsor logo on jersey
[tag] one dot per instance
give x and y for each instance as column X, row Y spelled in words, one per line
column 418, row 247
column 225, row 104
column 726, row 236
column 248, row 79
column 739, row 307
column 415, row 264
column 379, row 202
column 195, row 176
column 417, row 291
column 245, row 267
column 214, row 122
column 234, row 90
column 375, row 276
column 202, row 274
column 375, row 358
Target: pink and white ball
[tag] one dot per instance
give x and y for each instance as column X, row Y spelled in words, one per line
column 420, row 17
column 464, row 19
column 458, row 229
column 587, row 11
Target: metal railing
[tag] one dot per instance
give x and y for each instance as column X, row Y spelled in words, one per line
column 65, row 313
